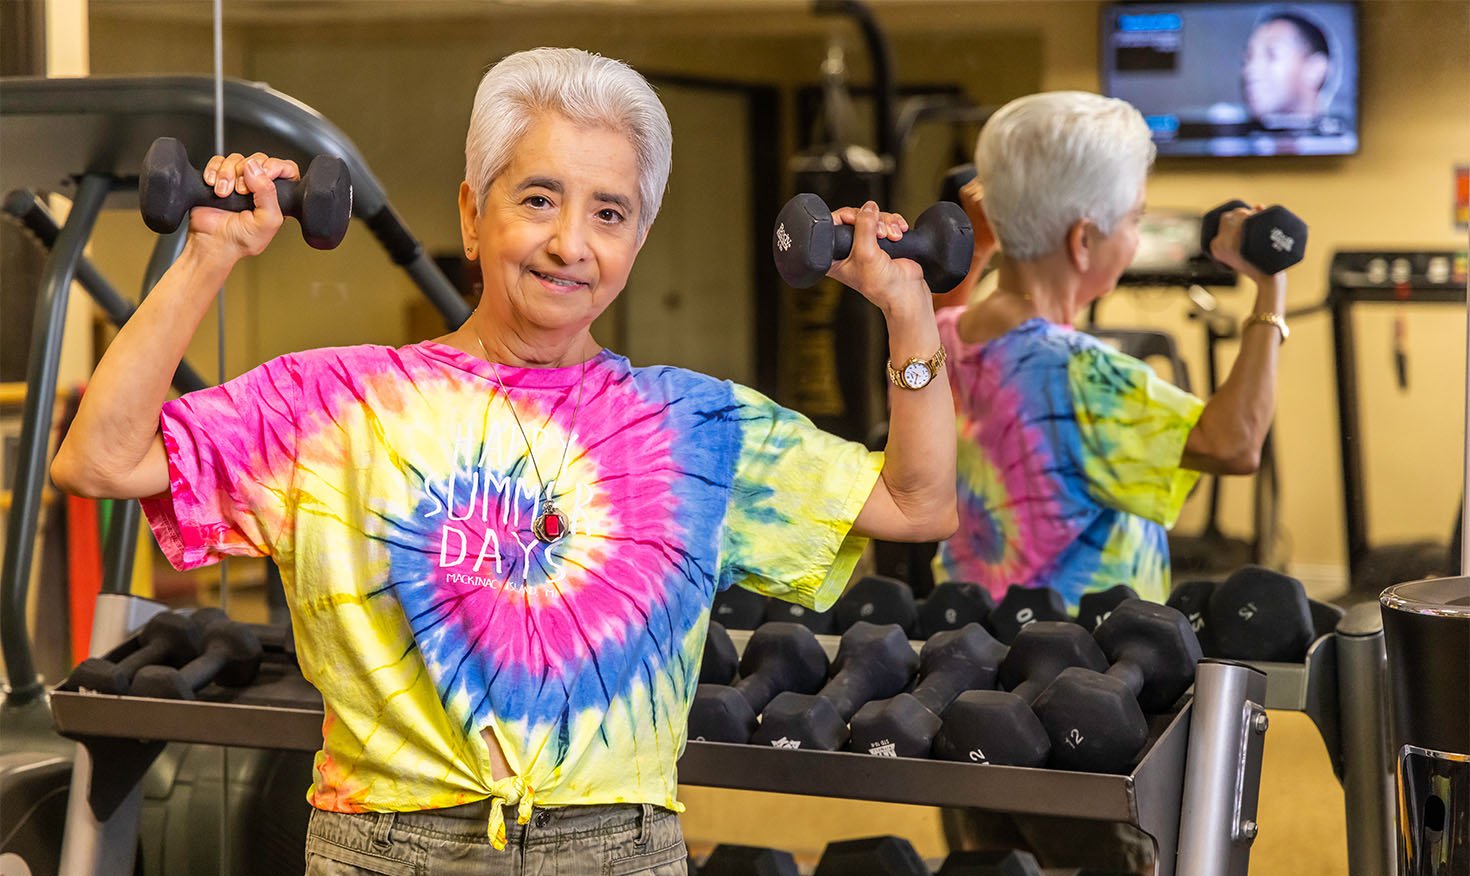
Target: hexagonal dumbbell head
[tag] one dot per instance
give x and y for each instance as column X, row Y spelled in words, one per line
column 992, row 726
column 1093, row 722
column 1042, row 650
column 1260, row 614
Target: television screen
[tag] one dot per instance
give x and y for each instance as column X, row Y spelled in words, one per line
column 1234, row 78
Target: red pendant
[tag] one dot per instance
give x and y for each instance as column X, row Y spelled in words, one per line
column 550, row 525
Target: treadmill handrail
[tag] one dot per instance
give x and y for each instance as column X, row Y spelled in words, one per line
column 52, row 131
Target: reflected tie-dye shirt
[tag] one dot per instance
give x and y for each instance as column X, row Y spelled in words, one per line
column 394, row 490
column 1068, row 463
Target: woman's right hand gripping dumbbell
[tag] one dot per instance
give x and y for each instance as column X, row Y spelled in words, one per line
column 237, row 235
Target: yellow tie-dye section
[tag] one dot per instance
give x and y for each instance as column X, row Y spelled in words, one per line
column 788, row 471
column 1133, row 428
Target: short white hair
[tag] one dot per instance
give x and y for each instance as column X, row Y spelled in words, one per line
column 1047, row 160
column 586, row 89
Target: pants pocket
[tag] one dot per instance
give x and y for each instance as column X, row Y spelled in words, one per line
column 340, row 844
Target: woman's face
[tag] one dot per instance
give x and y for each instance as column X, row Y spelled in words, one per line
column 559, row 230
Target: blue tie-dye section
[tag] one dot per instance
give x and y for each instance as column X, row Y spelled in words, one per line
column 706, row 424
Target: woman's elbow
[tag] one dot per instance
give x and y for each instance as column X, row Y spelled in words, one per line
column 73, row 475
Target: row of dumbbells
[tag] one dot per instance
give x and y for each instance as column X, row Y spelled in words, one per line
column 879, row 599
column 179, row 654
column 1255, row 614
column 870, row 856
column 1057, row 696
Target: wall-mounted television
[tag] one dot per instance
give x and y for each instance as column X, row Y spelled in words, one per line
column 1224, row 78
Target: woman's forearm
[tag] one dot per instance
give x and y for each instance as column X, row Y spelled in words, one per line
column 915, row 497
column 112, row 448
column 1231, row 429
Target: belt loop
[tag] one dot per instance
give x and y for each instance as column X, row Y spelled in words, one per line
column 383, row 828
column 645, row 816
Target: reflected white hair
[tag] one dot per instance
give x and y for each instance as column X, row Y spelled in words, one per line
column 587, row 90
column 1047, row 160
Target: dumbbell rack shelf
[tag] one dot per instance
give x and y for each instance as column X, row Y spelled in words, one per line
column 282, row 711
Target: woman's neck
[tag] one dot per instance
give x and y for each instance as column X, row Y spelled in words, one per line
column 1043, row 287
column 520, row 347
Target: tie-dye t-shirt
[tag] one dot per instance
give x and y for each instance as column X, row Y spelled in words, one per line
column 1068, row 463
column 394, row 490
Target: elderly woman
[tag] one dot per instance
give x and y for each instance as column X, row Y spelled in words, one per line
column 1074, row 458
column 500, row 546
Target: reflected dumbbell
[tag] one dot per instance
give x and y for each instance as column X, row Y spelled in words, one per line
column 1272, row 240
column 1026, row 605
column 880, row 600
column 953, row 604
column 169, row 187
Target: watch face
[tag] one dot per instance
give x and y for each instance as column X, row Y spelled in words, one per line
column 917, row 375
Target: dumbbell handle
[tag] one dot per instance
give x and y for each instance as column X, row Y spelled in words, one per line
column 759, row 688
column 288, row 193
column 915, row 244
column 939, row 688
column 165, row 682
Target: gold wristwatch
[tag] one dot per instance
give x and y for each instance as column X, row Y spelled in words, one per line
column 916, row 373
column 1268, row 318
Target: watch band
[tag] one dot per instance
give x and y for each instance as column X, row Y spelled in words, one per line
column 933, row 363
column 1268, row 318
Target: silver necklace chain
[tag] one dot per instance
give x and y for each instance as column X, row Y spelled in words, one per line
column 546, row 487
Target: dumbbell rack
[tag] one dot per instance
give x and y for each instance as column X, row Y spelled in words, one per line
column 1341, row 687
column 1193, row 790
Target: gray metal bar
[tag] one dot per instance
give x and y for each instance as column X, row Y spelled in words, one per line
column 1222, row 775
column 30, row 470
column 165, row 252
column 27, row 208
column 1367, row 778
column 104, row 847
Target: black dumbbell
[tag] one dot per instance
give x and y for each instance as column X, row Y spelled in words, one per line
column 872, row 663
column 807, row 242
column 951, row 605
column 978, row 863
column 819, row 622
column 998, row 726
column 1259, row 614
column 880, row 600
column 231, row 657
column 779, row 657
column 1192, row 599
column 168, row 638
column 720, row 660
column 872, row 856
column 1025, row 605
column 727, row 860
column 739, row 609
column 1094, row 606
column 1272, row 240
column 950, row 663
column 1096, row 720
column 955, row 179
column 169, row 187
